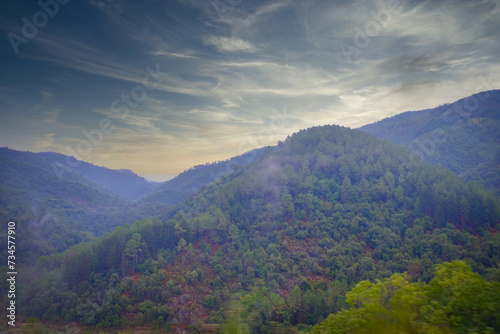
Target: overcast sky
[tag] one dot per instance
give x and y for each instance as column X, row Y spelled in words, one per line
column 160, row 86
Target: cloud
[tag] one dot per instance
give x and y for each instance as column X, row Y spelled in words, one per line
column 136, row 119
column 46, row 95
column 71, row 53
column 227, row 44
column 43, row 143
column 173, row 54
column 232, row 73
column 52, row 116
column 111, row 8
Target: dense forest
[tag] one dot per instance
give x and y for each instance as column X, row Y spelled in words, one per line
column 121, row 183
column 51, row 214
column 56, row 207
column 276, row 245
column 462, row 136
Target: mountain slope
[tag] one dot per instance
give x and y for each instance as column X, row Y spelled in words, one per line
column 57, row 206
column 123, row 183
column 178, row 189
column 285, row 237
column 463, row 136
column 53, row 214
column 38, row 160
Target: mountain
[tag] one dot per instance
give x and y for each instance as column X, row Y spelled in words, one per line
column 123, row 183
column 178, row 189
column 50, row 214
column 275, row 244
column 58, row 206
column 48, row 165
column 53, row 213
column 463, row 136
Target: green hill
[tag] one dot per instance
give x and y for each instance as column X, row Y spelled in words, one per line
column 463, row 136
column 282, row 240
column 57, row 207
column 122, row 183
column 53, row 214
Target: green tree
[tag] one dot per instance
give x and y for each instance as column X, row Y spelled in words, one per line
column 234, row 323
column 463, row 299
column 130, row 253
column 455, row 301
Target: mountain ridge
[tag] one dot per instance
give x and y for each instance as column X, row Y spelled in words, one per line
column 462, row 136
column 123, row 183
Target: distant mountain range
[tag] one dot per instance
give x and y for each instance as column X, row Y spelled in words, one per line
column 463, row 136
column 52, row 214
column 123, row 183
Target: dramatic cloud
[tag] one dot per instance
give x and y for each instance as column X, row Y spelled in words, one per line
column 186, row 82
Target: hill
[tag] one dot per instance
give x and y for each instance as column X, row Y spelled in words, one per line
column 53, row 214
column 184, row 185
column 282, row 239
column 58, row 206
column 463, row 136
column 40, row 161
column 123, row 182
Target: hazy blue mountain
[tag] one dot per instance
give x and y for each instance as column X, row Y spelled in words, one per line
column 45, row 163
column 55, row 211
column 463, row 136
column 52, row 214
column 122, row 182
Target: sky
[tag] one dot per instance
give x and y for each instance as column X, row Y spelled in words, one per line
column 160, row 86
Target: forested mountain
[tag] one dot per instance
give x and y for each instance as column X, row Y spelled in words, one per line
column 277, row 243
column 178, row 189
column 53, row 214
column 58, row 206
column 123, row 183
column 37, row 160
column 463, row 137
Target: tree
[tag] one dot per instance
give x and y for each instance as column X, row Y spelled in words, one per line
column 234, row 324
column 455, row 301
column 463, row 299
column 346, row 190
column 130, row 253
